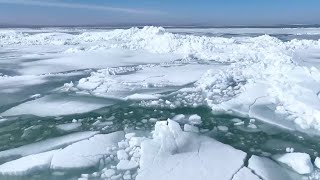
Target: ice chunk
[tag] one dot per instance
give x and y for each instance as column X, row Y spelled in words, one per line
column 85, row 153
column 122, row 155
column 245, row 174
column 299, row 162
column 317, row 162
column 68, row 127
column 267, row 169
column 45, row 145
column 175, row 154
column 127, row 165
column 109, row 172
column 195, row 119
column 223, row 128
column 142, row 97
column 179, row 118
column 28, row 164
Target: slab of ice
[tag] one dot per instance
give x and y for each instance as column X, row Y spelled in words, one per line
column 142, row 97
column 317, row 162
column 245, row 174
column 175, row 154
column 195, row 119
column 299, row 162
column 267, row 169
column 45, row 145
column 68, row 127
column 86, row 153
column 56, row 105
column 28, row 164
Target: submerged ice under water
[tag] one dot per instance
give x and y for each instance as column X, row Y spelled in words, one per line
column 97, row 103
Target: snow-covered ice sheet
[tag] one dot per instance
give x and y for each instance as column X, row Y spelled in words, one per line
column 125, row 82
column 94, row 60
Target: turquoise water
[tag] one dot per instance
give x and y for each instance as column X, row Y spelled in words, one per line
column 264, row 140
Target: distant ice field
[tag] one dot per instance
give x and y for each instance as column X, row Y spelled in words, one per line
column 106, row 101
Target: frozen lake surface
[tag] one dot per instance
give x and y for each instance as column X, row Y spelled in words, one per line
column 154, row 103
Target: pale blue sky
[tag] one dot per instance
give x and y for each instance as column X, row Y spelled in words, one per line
column 170, row 12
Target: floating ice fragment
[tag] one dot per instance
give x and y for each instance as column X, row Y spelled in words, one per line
column 267, row 169
column 223, row 128
column 299, row 162
column 69, row 127
column 195, row 119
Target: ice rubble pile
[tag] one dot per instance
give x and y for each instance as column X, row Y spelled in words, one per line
column 171, row 153
column 263, row 80
column 263, row 77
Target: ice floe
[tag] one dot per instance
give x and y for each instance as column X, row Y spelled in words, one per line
column 69, row 127
column 299, row 162
column 86, row 153
column 267, row 169
column 45, row 145
column 56, row 105
column 28, row 164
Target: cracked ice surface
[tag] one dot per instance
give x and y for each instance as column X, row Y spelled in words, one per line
column 175, row 154
column 86, row 153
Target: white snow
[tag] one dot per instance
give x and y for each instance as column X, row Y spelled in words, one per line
column 85, row 153
column 175, row 154
column 299, row 162
column 27, row 164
